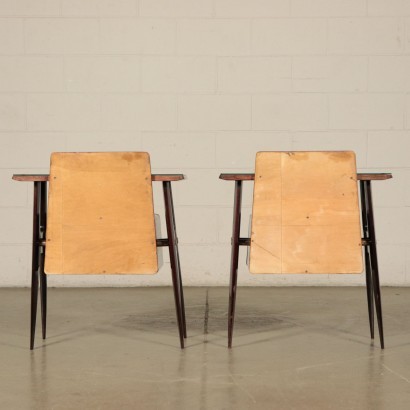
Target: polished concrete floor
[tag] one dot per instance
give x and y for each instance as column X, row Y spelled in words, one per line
column 294, row 348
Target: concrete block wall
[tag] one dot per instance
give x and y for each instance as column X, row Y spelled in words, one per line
column 202, row 85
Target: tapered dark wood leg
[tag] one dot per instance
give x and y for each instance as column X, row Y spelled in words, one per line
column 369, row 280
column 181, row 290
column 177, row 296
column 173, row 258
column 369, row 288
column 234, row 258
column 33, row 315
column 43, row 293
column 43, row 276
column 34, row 265
column 374, row 262
column 377, row 295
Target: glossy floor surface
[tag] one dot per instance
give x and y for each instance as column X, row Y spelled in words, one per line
column 294, row 348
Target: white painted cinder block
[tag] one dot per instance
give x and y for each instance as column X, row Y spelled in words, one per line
column 394, row 192
column 203, row 188
column 25, row 151
column 31, row 74
column 289, row 112
column 330, row 74
column 388, row 149
column 12, row 112
column 61, row 36
column 135, row 36
column 102, row 73
column 389, row 73
column 202, row 85
column 60, row 112
column 15, row 265
column 180, row 150
column 391, row 227
column 328, row 8
column 254, row 74
column 365, row 36
column 214, row 112
column 366, row 111
column 388, row 8
column 407, row 38
column 288, row 36
column 178, row 74
column 406, row 177
column 103, row 141
column 213, row 37
column 120, row 36
column 252, row 8
column 81, row 8
column 216, row 269
column 11, row 36
column 197, row 225
column 43, row 8
column 176, row 8
column 124, row 112
column 13, row 195
column 17, row 226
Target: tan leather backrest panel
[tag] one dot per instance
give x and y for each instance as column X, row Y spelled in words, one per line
column 305, row 216
column 100, row 214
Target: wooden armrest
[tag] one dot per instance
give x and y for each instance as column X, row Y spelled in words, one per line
column 30, row 177
column 45, row 177
column 360, row 177
column 237, row 177
column 168, row 177
column 373, row 177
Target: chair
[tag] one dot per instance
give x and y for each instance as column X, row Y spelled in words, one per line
column 305, row 219
column 99, row 220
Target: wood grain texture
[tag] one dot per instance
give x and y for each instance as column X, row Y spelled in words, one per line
column 179, row 177
column 305, row 216
column 168, row 177
column 374, row 177
column 45, row 177
column 30, row 177
column 360, row 177
column 100, row 214
column 237, row 177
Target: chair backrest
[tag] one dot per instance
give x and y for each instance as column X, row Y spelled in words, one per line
column 305, row 216
column 100, row 214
